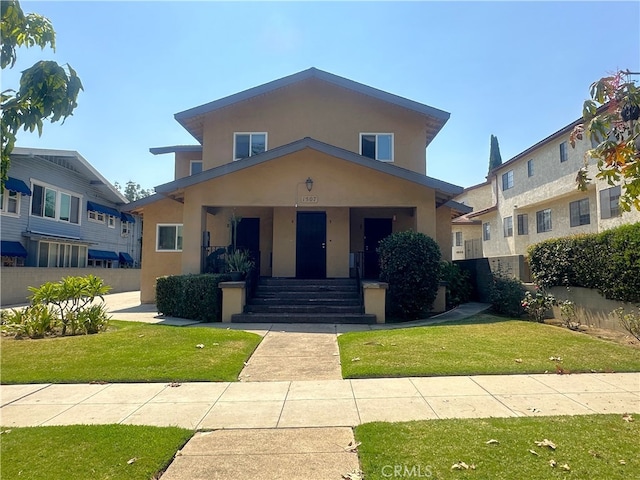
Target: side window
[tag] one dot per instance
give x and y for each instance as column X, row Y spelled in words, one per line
column 378, row 146
column 248, row 144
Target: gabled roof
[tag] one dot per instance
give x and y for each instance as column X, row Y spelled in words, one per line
column 444, row 191
column 74, row 162
column 192, row 119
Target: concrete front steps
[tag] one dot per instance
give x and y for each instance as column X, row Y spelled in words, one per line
column 288, row 300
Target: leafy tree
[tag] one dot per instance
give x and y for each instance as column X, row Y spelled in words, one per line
column 47, row 90
column 133, row 191
column 611, row 123
column 495, row 159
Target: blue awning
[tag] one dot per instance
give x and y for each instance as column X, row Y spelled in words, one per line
column 12, row 249
column 96, row 207
column 126, row 258
column 16, row 185
column 127, row 217
column 102, row 255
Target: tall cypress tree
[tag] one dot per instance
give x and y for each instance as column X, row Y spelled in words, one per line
column 495, row 160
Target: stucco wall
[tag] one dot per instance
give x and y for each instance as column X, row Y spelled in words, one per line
column 310, row 109
column 183, row 163
column 15, row 281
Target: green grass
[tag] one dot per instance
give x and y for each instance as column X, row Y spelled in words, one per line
column 129, row 352
column 484, row 344
column 89, row 451
column 592, row 446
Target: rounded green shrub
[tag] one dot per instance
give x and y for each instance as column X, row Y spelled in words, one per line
column 410, row 263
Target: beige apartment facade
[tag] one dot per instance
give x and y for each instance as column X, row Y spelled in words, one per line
column 317, row 168
column 534, row 197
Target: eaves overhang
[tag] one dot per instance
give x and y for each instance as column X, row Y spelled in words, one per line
column 444, row 191
column 193, row 119
column 175, row 149
column 479, row 213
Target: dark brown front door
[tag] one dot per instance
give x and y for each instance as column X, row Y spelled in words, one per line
column 311, row 242
column 375, row 229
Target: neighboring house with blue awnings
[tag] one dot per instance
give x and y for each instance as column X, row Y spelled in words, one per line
column 59, row 211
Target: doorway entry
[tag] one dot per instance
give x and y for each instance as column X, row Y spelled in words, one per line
column 248, row 238
column 375, row 229
column 311, row 243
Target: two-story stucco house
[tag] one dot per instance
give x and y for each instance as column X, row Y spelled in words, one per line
column 59, row 211
column 318, row 167
column 533, row 197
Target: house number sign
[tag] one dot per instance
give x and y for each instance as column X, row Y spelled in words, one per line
column 309, row 199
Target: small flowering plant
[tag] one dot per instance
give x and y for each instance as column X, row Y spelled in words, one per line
column 536, row 305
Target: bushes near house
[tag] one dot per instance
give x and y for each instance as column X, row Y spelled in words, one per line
column 506, row 295
column 608, row 261
column 410, row 263
column 458, row 284
column 196, row 297
column 66, row 308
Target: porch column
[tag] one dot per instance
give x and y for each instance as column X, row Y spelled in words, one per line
column 375, row 299
column 194, row 223
column 233, row 299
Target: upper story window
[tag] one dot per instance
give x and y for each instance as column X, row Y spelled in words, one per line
column 457, row 239
column 530, row 168
column 378, row 146
column 248, row 144
column 564, row 153
column 486, row 231
column 610, row 202
column 507, row 180
column 579, row 213
column 169, row 237
column 111, row 221
column 10, row 203
column 543, row 220
column 48, row 202
column 98, row 217
column 523, row 224
column 195, row 167
column 507, row 224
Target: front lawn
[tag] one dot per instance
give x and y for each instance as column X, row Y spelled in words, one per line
column 591, row 446
column 129, row 352
column 126, row 452
column 484, row 344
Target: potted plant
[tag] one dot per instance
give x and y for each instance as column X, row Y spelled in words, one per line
column 239, row 264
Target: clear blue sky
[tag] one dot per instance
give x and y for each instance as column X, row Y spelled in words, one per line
column 517, row 70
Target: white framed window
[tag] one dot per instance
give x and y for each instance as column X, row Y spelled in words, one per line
column 125, row 228
column 486, row 231
column 507, row 226
column 543, row 220
column 10, row 203
column 99, row 263
column 579, row 213
column 610, row 202
column 378, row 146
column 564, row 152
column 507, row 180
column 195, row 166
column 54, row 254
column 50, row 202
column 458, row 239
column 523, row 224
column 169, row 237
column 247, row 144
column 530, row 170
column 97, row 217
column 111, row 221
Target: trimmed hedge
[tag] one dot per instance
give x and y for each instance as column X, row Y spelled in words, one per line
column 608, row 261
column 196, row 297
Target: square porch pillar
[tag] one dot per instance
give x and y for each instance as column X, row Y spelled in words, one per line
column 375, row 299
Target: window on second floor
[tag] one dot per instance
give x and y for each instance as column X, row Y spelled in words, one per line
column 10, row 203
column 564, row 153
column 579, row 213
column 507, row 224
column 610, row 202
column 507, row 180
column 523, row 224
column 486, row 231
column 530, row 168
column 48, row 202
column 378, row 146
column 457, row 239
column 248, row 144
column 111, row 221
column 543, row 220
column 97, row 217
column 195, row 167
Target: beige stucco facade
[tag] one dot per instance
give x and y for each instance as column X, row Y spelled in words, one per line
column 313, row 132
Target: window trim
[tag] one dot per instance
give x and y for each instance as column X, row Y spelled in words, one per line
column 579, row 214
column 191, row 162
column 486, row 231
column 609, row 212
column 59, row 192
column 523, row 223
column 508, row 184
column 173, row 250
column 68, row 255
column 458, row 239
column 4, row 210
column 540, row 226
column 266, row 143
column 507, row 226
column 94, row 216
column 111, row 221
column 376, row 134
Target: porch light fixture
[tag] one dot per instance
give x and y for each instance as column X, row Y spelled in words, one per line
column 309, row 183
